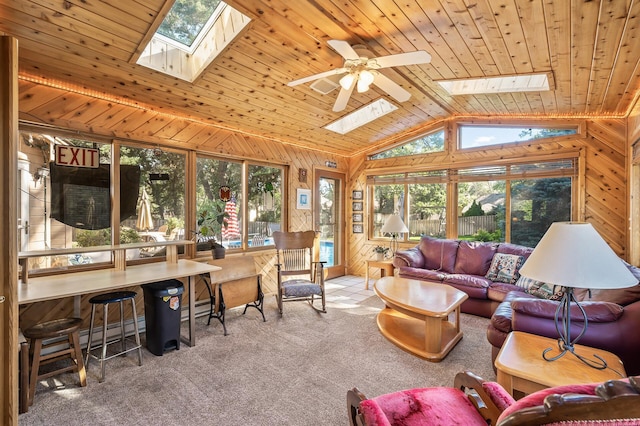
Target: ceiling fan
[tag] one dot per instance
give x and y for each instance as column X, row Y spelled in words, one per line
column 361, row 71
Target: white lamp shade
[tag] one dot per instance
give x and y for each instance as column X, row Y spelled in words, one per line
column 573, row 254
column 394, row 225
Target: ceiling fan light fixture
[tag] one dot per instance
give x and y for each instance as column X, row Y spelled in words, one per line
column 364, row 81
column 347, row 81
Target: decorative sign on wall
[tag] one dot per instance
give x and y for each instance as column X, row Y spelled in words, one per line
column 76, row 156
column 357, row 206
column 357, row 195
column 302, row 175
column 225, row 193
column 358, row 228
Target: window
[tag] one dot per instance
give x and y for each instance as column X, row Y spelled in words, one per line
column 481, row 210
column 540, row 193
column 161, row 196
column 433, row 142
column 425, row 211
column 535, row 205
column 191, row 36
column 475, row 136
column 64, row 206
column 221, row 213
column 187, row 19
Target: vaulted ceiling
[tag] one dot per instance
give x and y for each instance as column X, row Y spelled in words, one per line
column 591, row 48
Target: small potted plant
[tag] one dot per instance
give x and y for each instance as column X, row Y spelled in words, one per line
column 380, row 252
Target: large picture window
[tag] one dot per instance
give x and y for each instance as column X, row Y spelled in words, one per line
column 539, row 194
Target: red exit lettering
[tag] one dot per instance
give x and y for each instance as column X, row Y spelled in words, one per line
column 77, row 157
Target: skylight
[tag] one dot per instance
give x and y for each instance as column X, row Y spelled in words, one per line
column 514, row 83
column 362, row 116
column 191, row 36
column 186, row 20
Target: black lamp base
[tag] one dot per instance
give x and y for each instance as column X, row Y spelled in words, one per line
column 565, row 343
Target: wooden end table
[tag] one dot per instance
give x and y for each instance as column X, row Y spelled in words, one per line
column 386, row 269
column 416, row 318
column 520, row 365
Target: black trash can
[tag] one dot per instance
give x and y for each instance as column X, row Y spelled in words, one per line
column 162, row 315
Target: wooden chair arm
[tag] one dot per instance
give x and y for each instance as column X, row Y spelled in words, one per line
column 472, row 385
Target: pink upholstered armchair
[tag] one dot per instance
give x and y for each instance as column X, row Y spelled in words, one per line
column 473, row 401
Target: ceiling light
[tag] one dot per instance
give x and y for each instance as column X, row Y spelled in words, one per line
column 514, row 83
column 347, row 81
column 364, row 81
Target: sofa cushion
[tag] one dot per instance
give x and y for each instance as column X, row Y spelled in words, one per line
column 504, row 268
column 475, row 286
column 420, row 274
column 439, row 254
column 474, row 257
column 499, row 291
column 597, row 312
column 509, row 248
column 621, row 296
column 540, row 289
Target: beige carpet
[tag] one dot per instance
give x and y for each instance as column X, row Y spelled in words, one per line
column 293, row 370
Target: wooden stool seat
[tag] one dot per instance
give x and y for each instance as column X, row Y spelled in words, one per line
column 54, row 328
column 50, row 330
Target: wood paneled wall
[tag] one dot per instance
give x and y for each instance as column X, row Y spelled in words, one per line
column 602, row 195
column 91, row 115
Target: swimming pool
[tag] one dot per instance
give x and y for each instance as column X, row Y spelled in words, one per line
column 326, row 248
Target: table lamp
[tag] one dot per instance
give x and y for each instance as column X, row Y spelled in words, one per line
column 394, row 226
column 574, row 255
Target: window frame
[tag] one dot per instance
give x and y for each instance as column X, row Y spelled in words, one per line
column 452, row 177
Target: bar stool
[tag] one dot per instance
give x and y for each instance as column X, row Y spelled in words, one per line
column 105, row 300
column 49, row 330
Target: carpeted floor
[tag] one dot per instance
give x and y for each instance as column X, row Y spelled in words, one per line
column 293, row 370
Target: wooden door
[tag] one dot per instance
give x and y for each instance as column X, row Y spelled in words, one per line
column 329, row 219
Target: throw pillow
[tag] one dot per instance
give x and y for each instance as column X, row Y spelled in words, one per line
column 504, row 268
column 540, row 289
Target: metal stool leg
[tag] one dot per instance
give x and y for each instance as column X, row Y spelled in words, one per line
column 124, row 343
column 93, row 317
column 136, row 331
column 105, row 321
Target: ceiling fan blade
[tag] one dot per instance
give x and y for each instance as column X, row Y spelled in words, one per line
column 344, row 49
column 317, row 76
column 391, row 87
column 401, row 59
column 343, row 97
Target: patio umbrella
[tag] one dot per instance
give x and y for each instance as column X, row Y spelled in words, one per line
column 144, row 221
column 232, row 229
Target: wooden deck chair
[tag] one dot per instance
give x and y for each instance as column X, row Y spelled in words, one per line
column 295, row 259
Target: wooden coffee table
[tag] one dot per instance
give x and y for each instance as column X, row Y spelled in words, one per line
column 520, row 365
column 421, row 318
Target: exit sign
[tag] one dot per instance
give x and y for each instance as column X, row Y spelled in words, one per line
column 77, row 157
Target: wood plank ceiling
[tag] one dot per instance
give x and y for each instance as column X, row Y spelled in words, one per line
column 592, row 49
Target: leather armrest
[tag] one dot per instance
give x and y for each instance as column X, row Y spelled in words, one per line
column 412, row 257
column 542, row 308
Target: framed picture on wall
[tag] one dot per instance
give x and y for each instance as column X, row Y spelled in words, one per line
column 357, row 206
column 357, row 195
column 303, row 199
column 357, row 217
column 358, row 228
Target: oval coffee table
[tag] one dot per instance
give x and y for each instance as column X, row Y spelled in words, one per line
column 417, row 316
